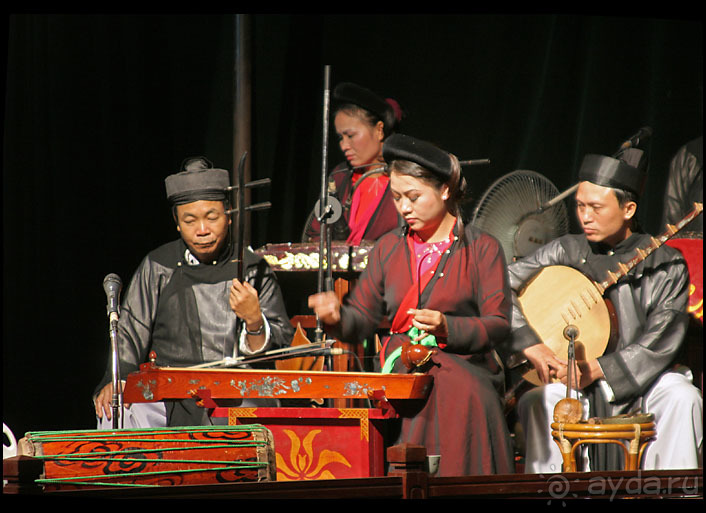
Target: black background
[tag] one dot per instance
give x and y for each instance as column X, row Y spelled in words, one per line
column 100, row 108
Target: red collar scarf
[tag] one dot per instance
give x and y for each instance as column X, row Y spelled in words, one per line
column 366, row 198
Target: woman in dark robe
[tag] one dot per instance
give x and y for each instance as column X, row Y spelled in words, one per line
column 443, row 285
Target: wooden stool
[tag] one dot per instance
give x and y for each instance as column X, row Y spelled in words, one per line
column 636, row 436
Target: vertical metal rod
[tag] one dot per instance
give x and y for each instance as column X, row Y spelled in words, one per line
column 323, row 199
column 117, row 401
column 570, row 333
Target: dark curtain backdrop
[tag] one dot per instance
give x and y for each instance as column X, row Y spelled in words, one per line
column 100, row 108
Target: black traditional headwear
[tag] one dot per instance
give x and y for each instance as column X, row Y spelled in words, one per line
column 193, row 163
column 627, row 171
column 427, row 155
column 347, row 92
column 197, row 184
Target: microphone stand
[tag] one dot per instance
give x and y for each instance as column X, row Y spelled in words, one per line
column 325, row 215
column 324, row 210
column 117, row 403
column 570, row 333
column 569, row 410
column 112, row 285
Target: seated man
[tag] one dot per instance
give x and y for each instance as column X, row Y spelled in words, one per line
column 638, row 374
column 184, row 300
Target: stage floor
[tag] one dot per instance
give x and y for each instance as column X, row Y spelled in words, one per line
column 410, row 484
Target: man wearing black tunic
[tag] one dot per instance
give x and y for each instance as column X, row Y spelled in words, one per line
column 639, row 374
column 184, row 300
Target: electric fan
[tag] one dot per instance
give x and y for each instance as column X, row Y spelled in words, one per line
column 523, row 211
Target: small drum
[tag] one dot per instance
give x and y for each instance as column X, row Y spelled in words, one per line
column 152, row 457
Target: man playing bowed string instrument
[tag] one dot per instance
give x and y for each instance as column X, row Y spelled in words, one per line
column 184, row 300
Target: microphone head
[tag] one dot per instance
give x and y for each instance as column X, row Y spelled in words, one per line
column 570, row 332
column 112, row 283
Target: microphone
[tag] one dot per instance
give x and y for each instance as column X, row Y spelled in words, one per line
column 644, row 133
column 112, row 285
column 571, row 332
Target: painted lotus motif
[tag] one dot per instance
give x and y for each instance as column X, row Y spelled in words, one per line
column 306, row 461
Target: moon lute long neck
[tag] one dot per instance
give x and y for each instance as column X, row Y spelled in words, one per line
column 643, row 253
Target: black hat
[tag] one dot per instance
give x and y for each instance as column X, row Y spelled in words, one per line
column 197, row 184
column 427, row 155
column 627, row 171
column 347, row 92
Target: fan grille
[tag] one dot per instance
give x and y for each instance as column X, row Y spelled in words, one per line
column 511, row 210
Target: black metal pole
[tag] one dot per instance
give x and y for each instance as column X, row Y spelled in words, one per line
column 324, row 248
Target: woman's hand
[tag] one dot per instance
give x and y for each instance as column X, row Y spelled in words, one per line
column 430, row 322
column 327, row 307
